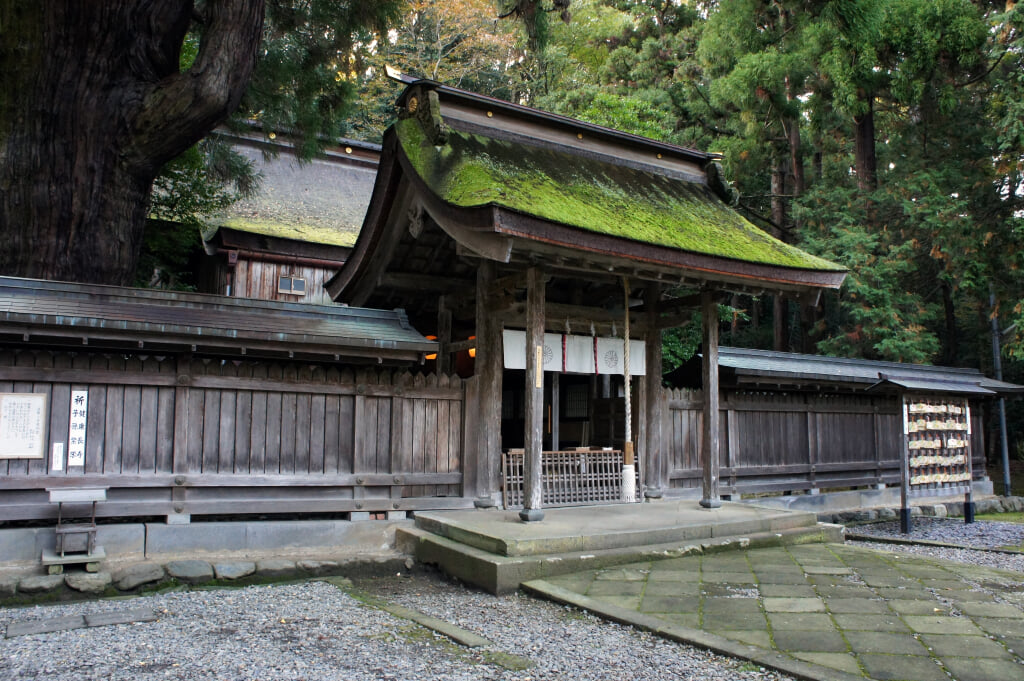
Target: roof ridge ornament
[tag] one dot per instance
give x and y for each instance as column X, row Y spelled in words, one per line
column 424, row 105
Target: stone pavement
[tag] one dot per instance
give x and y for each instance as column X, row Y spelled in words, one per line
column 821, row 611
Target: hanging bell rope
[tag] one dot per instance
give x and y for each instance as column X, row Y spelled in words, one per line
column 628, row 466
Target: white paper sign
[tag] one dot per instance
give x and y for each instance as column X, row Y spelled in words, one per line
column 576, row 354
column 22, row 425
column 77, row 427
column 58, row 457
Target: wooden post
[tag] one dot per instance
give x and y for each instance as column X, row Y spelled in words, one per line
column 489, row 364
column 655, row 467
column 179, row 456
column 444, row 337
column 534, row 436
column 710, row 438
column 905, row 522
column 555, row 407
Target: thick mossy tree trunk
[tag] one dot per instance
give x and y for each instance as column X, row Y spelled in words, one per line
column 92, row 104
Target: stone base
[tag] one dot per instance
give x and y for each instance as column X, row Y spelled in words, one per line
column 531, row 515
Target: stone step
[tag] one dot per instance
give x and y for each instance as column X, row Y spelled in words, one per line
column 500, row 574
column 600, row 528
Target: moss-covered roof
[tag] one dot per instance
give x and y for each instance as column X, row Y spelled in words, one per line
column 592, row 195
column 310, row 233
column 321, row 201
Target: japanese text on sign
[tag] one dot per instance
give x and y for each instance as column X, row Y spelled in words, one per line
column 77, row 427
column 22, row 425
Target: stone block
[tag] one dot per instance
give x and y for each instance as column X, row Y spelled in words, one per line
column 991, row 505
column 103, row 619
column 939, row 510
column 8, row 585
column 318, row 567
column 45, row 626
column 887, row 514
column 275, row 567
column 19, row 546
column 234, row 569
column 177, row 540
column 88, row 582
column 40, row 583
column 191, row 571
column 132, row 576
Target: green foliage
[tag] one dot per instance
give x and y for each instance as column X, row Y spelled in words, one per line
column 203, row 181
column 312, row 55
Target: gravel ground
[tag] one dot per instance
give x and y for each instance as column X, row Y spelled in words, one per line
column 982, row 534
column 316, row 631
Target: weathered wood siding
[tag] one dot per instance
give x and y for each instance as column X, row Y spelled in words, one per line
column 225, row 437
column 259, row 279
column 777, row 441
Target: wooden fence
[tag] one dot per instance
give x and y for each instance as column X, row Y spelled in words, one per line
column 180, row 435
column 779, row 441
column 577, row 477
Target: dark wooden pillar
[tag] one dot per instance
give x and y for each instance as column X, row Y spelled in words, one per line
column 444, row 337
column 655, row 462
column 555, row 407
column 710, row 439
column 489, row 364
column 534, row 436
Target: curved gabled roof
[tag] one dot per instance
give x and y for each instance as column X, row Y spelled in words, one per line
column 512, row 184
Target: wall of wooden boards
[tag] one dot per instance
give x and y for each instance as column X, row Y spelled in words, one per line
column 778, row 441
column 221, row 436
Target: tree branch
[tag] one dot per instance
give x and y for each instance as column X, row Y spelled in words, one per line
column 181, row 108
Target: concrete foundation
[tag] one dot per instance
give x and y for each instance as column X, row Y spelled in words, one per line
column 22, row 548
column 883, row 497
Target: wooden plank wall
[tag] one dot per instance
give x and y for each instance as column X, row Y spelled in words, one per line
column 259, row 279
column 214, row 436
column 777, row 441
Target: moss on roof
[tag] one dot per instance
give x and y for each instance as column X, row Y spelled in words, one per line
column 317, row 234
column 593, row 195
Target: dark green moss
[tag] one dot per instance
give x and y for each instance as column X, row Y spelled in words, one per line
column 472, row 170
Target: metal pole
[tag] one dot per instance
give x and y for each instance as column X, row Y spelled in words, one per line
column 998, row 367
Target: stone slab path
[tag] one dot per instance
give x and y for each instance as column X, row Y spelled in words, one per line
column 825, row 611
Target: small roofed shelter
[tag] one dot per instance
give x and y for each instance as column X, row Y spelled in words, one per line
column 489, row 217
column 284, row 242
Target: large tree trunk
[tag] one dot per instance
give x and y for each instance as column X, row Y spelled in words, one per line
column 780, row 342
column 92, row 104
column 865, row 162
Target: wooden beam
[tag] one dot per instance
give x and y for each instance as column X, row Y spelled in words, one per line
column 408, row 281
column 655, row 468
column 555, row 407
column 710, row 438
column 444, row 336
column 678, row 311
column 489, row 366
column 459, row 346
column 534, row 436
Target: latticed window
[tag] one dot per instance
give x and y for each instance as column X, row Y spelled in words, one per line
column 293, row 285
